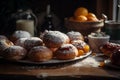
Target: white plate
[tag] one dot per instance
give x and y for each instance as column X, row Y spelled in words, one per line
column 54, row 61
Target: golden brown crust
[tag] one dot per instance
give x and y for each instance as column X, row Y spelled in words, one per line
column 54, row 39
column 19, row 34
column 74, row 35
column 82, row 47
column 40, row 53
column 4, row 43
column 66, row 51
column 31, row 42
column 14, row 53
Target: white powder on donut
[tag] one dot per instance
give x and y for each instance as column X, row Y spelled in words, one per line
column 79, row 44
column 74, row 35
column 21, row 34
column 56, row 36
column 67, row 48
column 20, row 42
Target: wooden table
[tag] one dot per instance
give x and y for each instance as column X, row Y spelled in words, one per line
column 88, row 68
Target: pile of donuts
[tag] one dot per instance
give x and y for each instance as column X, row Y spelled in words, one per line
column 112, row 50
column 50, row 45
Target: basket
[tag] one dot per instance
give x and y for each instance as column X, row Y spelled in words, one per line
column 84, row 28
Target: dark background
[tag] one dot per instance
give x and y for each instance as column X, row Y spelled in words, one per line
column 61, row 8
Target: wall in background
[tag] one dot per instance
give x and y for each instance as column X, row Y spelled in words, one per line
column 61, row 8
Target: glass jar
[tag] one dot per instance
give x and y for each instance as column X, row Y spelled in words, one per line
column 26, row 20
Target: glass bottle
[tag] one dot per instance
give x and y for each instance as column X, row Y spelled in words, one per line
column 48, row 23
column 27, row 21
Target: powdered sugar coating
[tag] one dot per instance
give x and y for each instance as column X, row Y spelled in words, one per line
column 14, row 53
column 74, row 35
column 40, row 48
column 79, row 44
column 40, row 53
column 67, row 49
column 4, row 43
column 19, row 34
column 33, row 41
column 55, row 38
column 20, row 42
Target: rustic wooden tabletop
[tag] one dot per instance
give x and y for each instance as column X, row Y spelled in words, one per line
column 91, row 66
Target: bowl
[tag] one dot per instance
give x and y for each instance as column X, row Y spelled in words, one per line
column 84, row 28
column 96, row 42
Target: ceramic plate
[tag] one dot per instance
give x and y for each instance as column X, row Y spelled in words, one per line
column 54, row 61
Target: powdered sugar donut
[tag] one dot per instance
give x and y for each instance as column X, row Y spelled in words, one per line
column 14, row 53
column 54, row 39
column 31, row 42
column 4, row 43
column 20, row 42
column 74, row 35
column 82, row 47
column 40, row 53
column 66, row 51
column 19, row 34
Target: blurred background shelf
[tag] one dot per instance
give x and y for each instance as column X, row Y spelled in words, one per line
column 61, row 8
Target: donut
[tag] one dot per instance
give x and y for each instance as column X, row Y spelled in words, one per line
column 20, row 42
column 115, row 57
column 19, row 34
column 66, row 52
column 14, row 53
column 40, row 54
column 74, row 35
column 54, row 39
column 82, row 47
column 33, row 41
column 4, row 43
column 109, row 48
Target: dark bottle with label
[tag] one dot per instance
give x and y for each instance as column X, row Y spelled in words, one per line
column 48, row 23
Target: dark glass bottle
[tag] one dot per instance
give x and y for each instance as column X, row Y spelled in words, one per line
column 48, row 23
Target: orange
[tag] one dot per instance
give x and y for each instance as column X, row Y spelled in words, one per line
column 81, row 11
column 81, row 18
column 91, row 15
column 86, row 48
column 80, row 52
column 92, row 19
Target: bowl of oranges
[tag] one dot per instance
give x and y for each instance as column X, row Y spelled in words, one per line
column 84, row 22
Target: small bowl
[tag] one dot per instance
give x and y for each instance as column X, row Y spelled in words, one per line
column 84, row 27
column 96, row 42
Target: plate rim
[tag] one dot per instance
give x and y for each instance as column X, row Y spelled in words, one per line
column 56, row 61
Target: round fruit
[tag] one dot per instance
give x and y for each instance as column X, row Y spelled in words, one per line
column 92, row 19
column 91, row 15
column 80, row 52
column 86, row 48
column 81, row 11
column 81, row 18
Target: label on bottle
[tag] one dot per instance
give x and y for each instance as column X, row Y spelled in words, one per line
column 26, row 25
